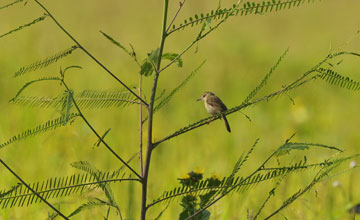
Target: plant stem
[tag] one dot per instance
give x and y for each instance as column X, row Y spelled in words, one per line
column 150, row 115
column 88, row 53
column 98, row 135
column 141, row 132
column 32, row 190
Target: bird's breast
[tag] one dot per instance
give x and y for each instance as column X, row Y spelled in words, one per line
column 211, row 109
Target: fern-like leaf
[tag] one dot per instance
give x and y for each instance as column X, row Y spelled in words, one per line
column 289, row 146
column 241, row 183
column 56, row 187
column 85, row 99
column 88, row 205
column 32, row 82
column 25, row 25
column 47, row 126
column 45, row 62
column 88, row 168
column 10, row 4
column 165, row 100
column 238, row 165
column 247, row 8
column 336, row 79
column 267, row 76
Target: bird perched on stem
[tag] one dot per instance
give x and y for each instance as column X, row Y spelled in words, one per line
column 214, row 106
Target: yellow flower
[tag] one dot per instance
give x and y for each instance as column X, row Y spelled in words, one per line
column 186, row 176
column 198, row 171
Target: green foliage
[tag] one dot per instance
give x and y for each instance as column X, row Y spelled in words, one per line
column 173, row 56
column 336, row 79
column 56, row 187
column 247, row 8
column 116, row 43
column 264, row 81
column 193, row 202
column 85, row 99
column 242, row 183
column 46, row 62
column 94, row 172
column 25, row 25
column 11, row 4
column 165, row 100
column 32, row 82
column 290, row 146
column 89, row 205
column 238, row 165
column 47, row 126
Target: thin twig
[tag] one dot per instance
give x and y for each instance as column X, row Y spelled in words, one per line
column 199, row 37
column 98, row 135
column 88, row 53
column 32, row 190
column 176, row 14
column 141, row 131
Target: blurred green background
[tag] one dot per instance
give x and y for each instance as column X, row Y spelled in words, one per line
column 237, row 56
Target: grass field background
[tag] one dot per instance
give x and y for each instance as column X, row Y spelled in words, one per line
column 237, row 55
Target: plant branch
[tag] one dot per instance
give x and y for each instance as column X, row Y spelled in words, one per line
column 151, row 113
column 141, row 132
column 98, row 135
column 32, row 190
column 88, row 53
column 199, row 37
column 303, row 79
column 176, row 14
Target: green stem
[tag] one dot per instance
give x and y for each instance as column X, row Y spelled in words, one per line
column 150, row 115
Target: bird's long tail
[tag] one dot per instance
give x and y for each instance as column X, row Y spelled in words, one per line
column 226, row 124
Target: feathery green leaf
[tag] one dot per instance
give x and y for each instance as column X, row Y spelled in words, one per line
column 336, row 79
column 264, row 81
column 85, row 99
column 47, row 126
column 25, row 25
column 166, row 99
column 32, row 82
column 46, row 62
column 247, row 8
column 11, row 4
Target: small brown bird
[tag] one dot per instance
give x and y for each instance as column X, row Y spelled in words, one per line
column 214, row 106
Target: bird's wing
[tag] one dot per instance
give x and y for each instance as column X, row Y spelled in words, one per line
column 216, row 102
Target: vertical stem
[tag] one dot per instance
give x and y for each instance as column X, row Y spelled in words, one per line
column 141, row 132
column 151, row 112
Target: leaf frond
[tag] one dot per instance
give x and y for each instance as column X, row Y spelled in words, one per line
column 267, row 76
column 166, row 99
column 32, row 82
column 290, row 146
column 10, row 4
column 336, row 79
column 57, row 187
column 247, row 8
column 25, row 25
column 239, row 183
column 45, row 62
column 88, row 205
column 47, row 126
column 85, row 99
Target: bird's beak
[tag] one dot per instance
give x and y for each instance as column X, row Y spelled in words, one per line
column 198, row 99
